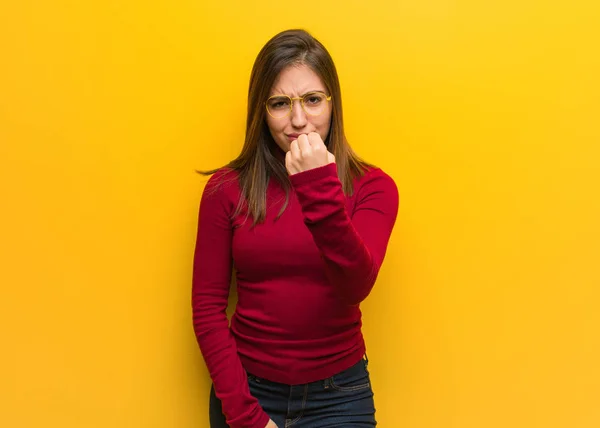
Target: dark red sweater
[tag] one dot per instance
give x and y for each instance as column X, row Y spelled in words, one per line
column 300, row 280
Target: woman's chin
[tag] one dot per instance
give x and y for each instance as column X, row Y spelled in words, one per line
column 284, row 145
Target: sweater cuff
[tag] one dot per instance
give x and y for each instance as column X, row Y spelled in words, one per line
column 315, row 174
column 263, row 421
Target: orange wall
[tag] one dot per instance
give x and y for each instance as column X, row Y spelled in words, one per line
column 486, row 113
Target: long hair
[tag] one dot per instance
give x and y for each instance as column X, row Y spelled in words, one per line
column 257, row 163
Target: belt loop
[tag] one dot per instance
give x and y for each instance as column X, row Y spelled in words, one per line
column 366, row 358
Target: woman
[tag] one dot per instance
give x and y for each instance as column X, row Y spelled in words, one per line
column 305, row 223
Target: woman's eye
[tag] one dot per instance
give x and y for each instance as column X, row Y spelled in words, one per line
column 279, row 104
column 314, row 99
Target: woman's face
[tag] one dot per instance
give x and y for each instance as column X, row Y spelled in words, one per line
column 296, row 81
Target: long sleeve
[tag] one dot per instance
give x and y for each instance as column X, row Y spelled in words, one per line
column 353, row 245
column 210, row 290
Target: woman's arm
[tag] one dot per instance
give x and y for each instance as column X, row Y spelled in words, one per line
column 210, row 291
column 353, row 245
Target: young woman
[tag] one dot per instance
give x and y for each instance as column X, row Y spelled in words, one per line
column 305, row 224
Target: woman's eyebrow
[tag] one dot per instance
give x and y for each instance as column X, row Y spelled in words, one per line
column 313, row 91
column 303, row 95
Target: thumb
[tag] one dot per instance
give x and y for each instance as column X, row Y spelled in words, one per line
column 288, row 162
column 330, row 158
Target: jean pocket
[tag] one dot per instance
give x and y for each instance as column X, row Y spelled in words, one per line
column 356, row 378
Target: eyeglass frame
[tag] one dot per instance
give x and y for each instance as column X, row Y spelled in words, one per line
column 292, row 99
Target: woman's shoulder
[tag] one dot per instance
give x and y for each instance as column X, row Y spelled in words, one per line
column 376, row 184
column 224, row 182
column 224, row 174
column 375, row 176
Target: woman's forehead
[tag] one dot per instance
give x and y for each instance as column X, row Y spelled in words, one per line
column 296, row 81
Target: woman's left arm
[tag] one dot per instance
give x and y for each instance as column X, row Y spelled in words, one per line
column 353, row 245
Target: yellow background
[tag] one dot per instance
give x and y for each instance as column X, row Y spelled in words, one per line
column 486, row 113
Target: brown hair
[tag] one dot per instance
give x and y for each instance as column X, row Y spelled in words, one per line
column 257, row 163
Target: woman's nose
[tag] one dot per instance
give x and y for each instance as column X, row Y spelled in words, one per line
column 299, row 118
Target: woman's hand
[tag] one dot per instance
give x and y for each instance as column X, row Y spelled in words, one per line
column 307, row 152
column 271, row 424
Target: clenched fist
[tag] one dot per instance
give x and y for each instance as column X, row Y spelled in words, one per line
column 307, row 152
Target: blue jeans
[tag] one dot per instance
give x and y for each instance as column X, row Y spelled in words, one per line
column 343, row 400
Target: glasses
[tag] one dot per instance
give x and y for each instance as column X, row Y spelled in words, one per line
column 313, row 104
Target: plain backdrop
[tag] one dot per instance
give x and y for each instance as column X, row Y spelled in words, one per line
column 486, row 113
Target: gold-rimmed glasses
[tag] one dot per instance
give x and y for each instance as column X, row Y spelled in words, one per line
column 313, row 104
